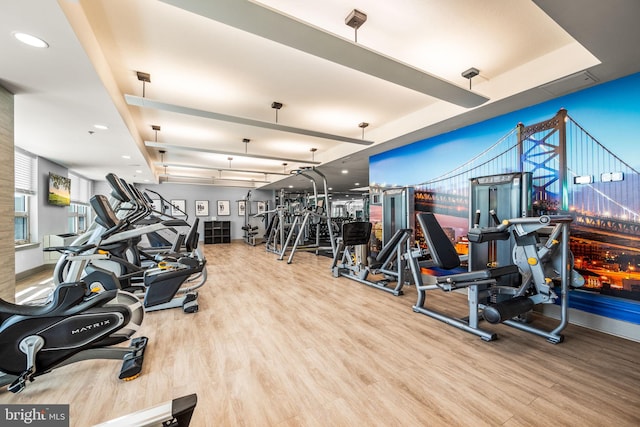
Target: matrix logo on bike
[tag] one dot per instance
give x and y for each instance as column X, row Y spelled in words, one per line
column 91, row 326
column 34, row 415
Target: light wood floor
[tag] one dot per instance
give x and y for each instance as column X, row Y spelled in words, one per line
column 289, row 345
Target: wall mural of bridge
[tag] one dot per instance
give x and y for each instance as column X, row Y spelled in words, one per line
column 572, row 173
column 594, row 179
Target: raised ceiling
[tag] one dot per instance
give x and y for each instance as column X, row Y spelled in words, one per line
column 225, row 65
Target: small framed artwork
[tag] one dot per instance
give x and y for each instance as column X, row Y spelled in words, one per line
column 202, row 208
column 223, row 208
column 242, row 207
column 262, row 207
column 178, row 208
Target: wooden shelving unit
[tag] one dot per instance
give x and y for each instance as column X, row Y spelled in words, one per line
column 217, row 232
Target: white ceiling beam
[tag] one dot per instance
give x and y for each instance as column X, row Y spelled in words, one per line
column 213, row 168
column 264, row 22
column 163, row 106
column 167, row 147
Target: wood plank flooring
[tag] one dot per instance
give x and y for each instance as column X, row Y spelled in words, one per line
column 289, row 345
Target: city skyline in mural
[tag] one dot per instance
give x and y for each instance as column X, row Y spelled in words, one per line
column 596, row 181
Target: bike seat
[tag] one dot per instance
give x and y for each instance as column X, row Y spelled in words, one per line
column 64, row 295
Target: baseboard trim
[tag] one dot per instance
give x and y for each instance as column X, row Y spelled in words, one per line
column 607, row 325
column 24, row 274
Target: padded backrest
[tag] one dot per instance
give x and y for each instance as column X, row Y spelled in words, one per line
column 191, row 242
column 440, row 246
column 117, row 190
column 104, row 213
column 356, row 233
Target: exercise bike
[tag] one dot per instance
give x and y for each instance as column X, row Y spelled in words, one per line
column 76, row 324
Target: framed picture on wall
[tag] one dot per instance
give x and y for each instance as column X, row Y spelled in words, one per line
column 178, row 208
column 223, row 208
column 262, row 207
column 242, row 207
column 202, row 208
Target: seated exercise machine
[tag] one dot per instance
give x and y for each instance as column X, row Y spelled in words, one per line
column 76, row 324
column 390, row 262
column 174, row 413
column 160, row 287
column 538, row 263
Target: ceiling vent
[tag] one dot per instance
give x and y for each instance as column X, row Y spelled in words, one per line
column 570, row 83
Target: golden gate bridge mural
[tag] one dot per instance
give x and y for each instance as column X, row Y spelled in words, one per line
column 574, row 173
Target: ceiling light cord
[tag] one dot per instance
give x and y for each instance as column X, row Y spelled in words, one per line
column 276, row 106
column 470, row 74
column 362, row 126
column 144, row 78
column 355, row 19
column 156, row 129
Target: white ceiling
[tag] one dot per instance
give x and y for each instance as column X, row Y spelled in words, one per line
column 202, row 61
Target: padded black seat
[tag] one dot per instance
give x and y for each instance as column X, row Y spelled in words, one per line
column 356, row 233
column 444, row 255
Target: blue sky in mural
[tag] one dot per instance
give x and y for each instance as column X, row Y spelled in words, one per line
column 609, row 112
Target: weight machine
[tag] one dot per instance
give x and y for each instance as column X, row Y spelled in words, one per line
column 390, row 262
column 312, row 216
column 513, row 265
column 250, row 230
column 536, row 265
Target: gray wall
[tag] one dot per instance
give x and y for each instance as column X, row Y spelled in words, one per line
column 7, row 248
column 191, row 193
column 48, row 219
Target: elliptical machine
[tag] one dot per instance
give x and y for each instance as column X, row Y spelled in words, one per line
column 76, row 324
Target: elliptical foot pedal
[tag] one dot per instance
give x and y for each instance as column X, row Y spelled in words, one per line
column 21, row 382
column 132, row 361
column 190, row 304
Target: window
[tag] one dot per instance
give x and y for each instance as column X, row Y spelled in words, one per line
column 79, row 209
column 78, row 218
column 25, row 188
column 21, row 221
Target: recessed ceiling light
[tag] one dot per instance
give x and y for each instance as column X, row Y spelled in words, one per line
column 138, row 171
column 101, row 127
column 330, row 188
column 357, row 183
column 345, row 171
column 126, row 157
column 291, row 186
column 30, row 40
column 146, row 180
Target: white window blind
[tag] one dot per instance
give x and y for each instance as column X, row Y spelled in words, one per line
column 80, row 189
column 25, row 172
